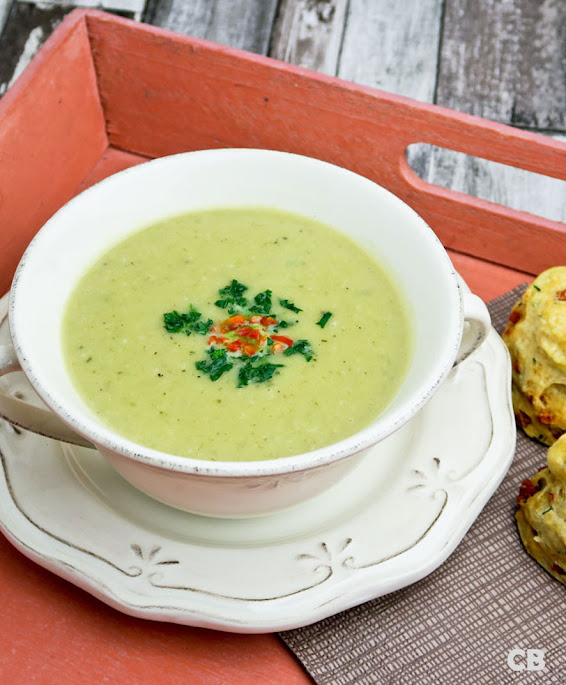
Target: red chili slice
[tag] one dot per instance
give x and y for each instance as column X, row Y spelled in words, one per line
column 217, row 340
column 282, row 338
column 234, row 346
column 233, row 322
column 249, row 350
column 247, row 332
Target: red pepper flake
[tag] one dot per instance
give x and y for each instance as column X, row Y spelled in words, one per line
column 234, row 346
column 248, row 350
column 283, row 339
column 560, row 295
column 545, row 418
column 247, row 332
column 248, row 335
column 217, row 340
column 232, row 323
column 527, row 489
column 515, row 316
column 523, row 419
column 558, row 569
column 551, row 497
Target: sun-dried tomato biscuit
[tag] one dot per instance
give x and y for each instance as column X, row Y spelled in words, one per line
column 541, row 513
column 536, row 338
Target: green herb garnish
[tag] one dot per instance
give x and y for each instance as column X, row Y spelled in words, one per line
column 217, row 365
column 546, row 512
column 536, row 287
column 189, row 322
column 324, row 319
column 259, row 373
column 202, row 327
column 300, row 347
column 289, row 305
column 173, row 321
column 246, row 339
column 262, row 303
column 232, row 296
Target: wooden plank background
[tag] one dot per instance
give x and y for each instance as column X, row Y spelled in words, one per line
column 503, row 60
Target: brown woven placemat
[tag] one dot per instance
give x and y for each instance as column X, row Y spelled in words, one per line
column 460, row 624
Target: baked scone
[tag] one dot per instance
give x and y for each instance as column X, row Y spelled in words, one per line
column 541, row 513
column 536, row 338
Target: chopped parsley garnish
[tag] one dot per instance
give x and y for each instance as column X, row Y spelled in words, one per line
column 232, row 297
column 536, row 287
column 217, row 365
column 202, row 327
column 189, row 322
column 300, row 347
column 258, row 373
column 289, row 305
column 324, row 319
column 173, row 321
column 262, row 303
column 247, row 338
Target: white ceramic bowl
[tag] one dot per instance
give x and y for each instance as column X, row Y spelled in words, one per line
column 120, row 205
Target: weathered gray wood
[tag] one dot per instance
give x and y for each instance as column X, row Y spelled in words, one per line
column 505, row 185
column 385, row 43
column 133, row 8
column 393, row 45
column 245, row 24
column 26, row 29
column 309, row 33
column 505, row 60
column 4, row 11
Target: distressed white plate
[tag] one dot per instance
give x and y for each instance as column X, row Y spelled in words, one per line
column 392, row 521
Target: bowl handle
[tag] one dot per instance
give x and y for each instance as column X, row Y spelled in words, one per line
column 26, row 415
column 477, row 324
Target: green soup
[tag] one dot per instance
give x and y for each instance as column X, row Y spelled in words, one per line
column 336, row 355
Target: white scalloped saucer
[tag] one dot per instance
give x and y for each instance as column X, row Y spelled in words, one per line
column 392, row 521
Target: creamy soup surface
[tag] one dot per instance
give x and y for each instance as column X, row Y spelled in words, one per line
column 142, row 380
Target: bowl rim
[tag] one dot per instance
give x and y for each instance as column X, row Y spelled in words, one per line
column 107, row 440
